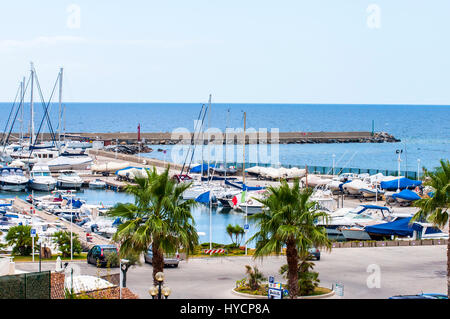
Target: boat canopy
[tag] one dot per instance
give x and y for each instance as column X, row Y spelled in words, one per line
column 406, row 194
column 198, row 168
column 243, row 186
column 404, row 183
column 399, row 227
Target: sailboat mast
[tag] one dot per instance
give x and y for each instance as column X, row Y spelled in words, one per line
column 208, row 135
column 226, row 142
column 60, row 105
column 32, row 107
column 22, row 100
column 243, row 163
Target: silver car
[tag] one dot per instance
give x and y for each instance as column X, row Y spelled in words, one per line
column 169, row 259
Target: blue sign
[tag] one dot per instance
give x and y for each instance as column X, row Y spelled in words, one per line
column 271, row 279
column 246, row 226
column 33, row 232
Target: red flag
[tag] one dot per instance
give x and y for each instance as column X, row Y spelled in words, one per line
column 234, row 200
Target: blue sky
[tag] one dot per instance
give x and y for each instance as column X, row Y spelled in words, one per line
column 250, row 51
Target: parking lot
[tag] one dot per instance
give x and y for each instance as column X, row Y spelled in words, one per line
column 365, row 272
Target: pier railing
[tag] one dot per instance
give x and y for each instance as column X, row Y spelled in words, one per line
column 327, row 170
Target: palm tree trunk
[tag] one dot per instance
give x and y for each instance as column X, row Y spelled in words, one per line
column 292, row 261
column 157, row 261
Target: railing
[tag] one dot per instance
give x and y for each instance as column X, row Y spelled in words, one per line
column 327, row 170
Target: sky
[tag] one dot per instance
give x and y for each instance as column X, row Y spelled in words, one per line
column 252, row 51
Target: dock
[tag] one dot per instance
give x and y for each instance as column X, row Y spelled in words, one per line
column 23, row 207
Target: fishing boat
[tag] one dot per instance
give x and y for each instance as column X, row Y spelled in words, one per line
column 69, row 180
column 41, row 179
column 12, row 179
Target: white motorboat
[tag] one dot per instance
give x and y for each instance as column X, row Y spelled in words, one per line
column 70, row 162
column 41, row 179
column 12, row 179
column 360, row 216
column 354, row 187
column 109, row 167
column 251, row 205
column 314, row 181
column 69, row 180
column 371, row 191
column 97, row 183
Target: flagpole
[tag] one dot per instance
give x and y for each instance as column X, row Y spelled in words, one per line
column 245, row 230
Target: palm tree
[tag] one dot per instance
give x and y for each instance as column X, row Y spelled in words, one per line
column 159, row 217
column 289, row 220
column 20, row 237
column 435, row 208
column 254, row 277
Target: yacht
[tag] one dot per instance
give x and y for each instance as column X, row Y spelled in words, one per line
column 12, row 179
column 69, row 180
column 41, row 179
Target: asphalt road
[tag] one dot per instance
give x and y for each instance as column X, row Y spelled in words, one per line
column 365, row 272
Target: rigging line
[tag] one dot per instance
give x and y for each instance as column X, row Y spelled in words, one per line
column 192, row 139
column 15, row 117
column 46, row 107
column 192, row 155
column 45, row 113
column 11, row 112
column 348, row 161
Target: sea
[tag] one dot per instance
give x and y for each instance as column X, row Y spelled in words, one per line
column 424, row 131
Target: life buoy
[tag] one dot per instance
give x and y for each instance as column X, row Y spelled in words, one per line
column 250, row 202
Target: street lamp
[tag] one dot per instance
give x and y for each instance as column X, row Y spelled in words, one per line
column 40, row 249
column 418, row 169
column 399, row 152
column 158, row 291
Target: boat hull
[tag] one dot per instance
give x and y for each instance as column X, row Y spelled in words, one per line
column 355, row 234
column 43, row 187
column 10, row 187
column 69, row 185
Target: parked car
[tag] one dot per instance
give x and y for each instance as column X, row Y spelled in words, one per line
column 420, row 296
column 314, row 252
column 169, row 259
column 98, row 255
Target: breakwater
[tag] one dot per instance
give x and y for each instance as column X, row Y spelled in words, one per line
column 167, row 138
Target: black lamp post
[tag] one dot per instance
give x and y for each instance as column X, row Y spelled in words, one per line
column 159, row 291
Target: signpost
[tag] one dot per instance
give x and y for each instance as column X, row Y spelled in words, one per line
column 339, row 288
column 32, row 234
column 275, row 290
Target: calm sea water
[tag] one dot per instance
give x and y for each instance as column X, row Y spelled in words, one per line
column 424, row 130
